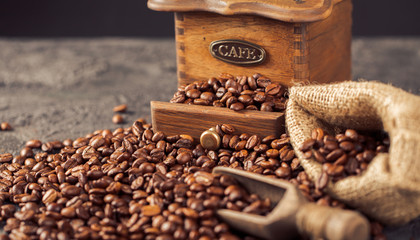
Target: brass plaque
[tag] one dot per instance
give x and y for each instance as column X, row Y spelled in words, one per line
column 237, row 52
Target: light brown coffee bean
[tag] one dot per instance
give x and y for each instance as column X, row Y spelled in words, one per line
column 117, row 119
column 150, row 210
column 5, row 126
column 120, row 108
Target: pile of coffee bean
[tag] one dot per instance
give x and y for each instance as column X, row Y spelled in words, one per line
column 344, row 154
column 132, row 183
column 237, row 93
column 5, row 126
column 275, row 157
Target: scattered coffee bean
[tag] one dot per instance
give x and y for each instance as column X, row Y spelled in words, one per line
column 117, row 119
column 5, row 126
column 120, row 108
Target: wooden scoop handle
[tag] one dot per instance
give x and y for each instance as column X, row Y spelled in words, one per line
column 331, row 223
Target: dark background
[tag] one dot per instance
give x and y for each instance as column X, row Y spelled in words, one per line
column 132, row 18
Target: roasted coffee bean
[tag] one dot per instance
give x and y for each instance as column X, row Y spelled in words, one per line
column 26, row 152
column 33, row 143
column 342, row 154
column 267, row 107
column 283, row 172
column 230, row 101
column 307, row 145
column 272, row 89
column 183, row 158
column 259, row 97
column 208, row 96
column 352, row 134
column 234, row 93
column 193, row 93
column 5, row 126
column 71, row 191
column 238, row 106
column 204, row 178
column 6, row 157
column 202, row 102
column 120, row 108
column 68, row 212
column 117, row 119
column 245, row 99
column 150, row 210
column 321, row 183
column 136, row 183
column 50, row 196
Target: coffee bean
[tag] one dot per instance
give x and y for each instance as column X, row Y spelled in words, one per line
column 238, row 106
column 117, row 119
column 230, row 101
column 202, row 102
column 352, row 134
column 208, row 96
column 318, row 134
column 183, row 158
column 150, row 210
column 25, row 215
column 5, row 126
column 347, row 146
column 321, row 183
column 204, row 178
column 272, row 89
column 120, row 108
column 245, row 99
column 26, row 152
column 307, row 145
column 71, row 191
column 193, row 93
column 68, row 212
column 334, row 155
column 50, row 196
column 6, row 157
column 220, row 92
column 283, row 172
column 33, row 143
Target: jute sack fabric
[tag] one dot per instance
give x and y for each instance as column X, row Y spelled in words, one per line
column 389, row 190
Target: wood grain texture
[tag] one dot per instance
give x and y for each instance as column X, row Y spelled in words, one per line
column 329, row 44
column 301, row 51
column 196, row 63
column 283, row 10
column 175, row 118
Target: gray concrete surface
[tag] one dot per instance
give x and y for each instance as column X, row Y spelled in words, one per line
column 66, row 88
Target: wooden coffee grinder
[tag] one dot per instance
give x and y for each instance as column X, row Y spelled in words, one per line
column 288, row 41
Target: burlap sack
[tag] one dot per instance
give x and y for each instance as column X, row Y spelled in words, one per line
column 389, row 190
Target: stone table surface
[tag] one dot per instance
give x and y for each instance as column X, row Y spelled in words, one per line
column 53, row 89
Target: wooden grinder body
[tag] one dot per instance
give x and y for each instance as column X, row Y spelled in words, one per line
column 303, row 41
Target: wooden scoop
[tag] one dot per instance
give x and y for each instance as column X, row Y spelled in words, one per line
column 292, row 213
